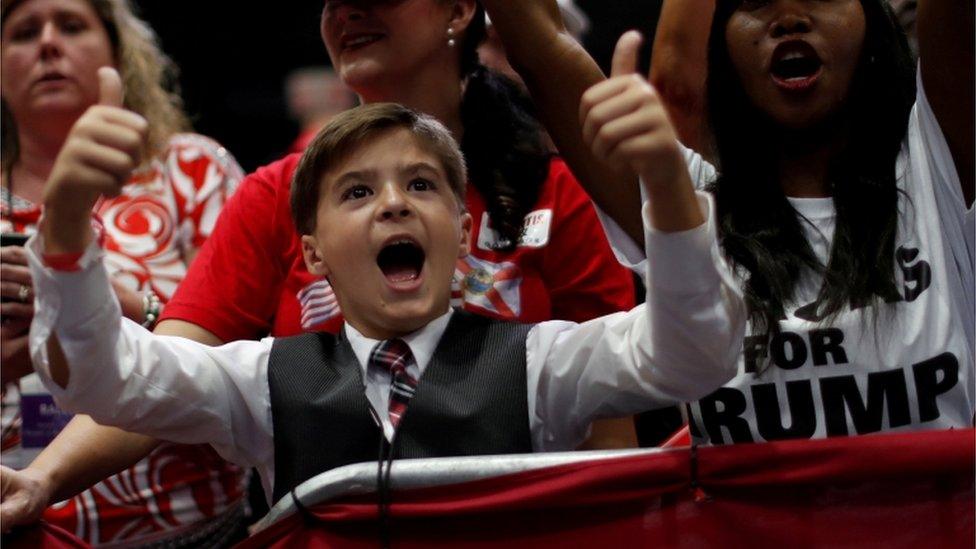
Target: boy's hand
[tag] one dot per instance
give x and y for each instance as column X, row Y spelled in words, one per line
column 624, row 120
column 97, row 158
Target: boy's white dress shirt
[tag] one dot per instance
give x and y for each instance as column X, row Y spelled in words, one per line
column 179, row 390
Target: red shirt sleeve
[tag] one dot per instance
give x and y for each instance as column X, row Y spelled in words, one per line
column 582, row 285
column 233, row 285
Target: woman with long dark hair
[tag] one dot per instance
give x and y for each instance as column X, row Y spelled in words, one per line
column 832, row 254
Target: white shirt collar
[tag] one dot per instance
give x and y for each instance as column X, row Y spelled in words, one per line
column 422, row 342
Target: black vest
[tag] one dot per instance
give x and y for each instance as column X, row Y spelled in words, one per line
column 470, row 400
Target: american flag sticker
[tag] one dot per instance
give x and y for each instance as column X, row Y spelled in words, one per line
column 318, row 303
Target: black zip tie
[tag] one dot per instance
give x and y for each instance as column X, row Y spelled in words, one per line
column 382, row 503
column 384, row 487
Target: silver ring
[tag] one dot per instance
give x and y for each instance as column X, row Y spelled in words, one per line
column 23, row 293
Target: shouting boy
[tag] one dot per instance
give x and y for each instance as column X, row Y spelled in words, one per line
column 378, row 199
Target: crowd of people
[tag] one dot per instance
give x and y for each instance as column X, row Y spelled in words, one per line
column 791, row 184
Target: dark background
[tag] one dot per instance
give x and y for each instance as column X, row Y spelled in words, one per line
column 233, row 57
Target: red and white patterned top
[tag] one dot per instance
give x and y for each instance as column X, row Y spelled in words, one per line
column 163, row 215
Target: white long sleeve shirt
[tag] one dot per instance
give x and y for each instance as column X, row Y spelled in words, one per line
column 180, row 390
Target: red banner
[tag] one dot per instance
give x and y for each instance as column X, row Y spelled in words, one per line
column 902, row 490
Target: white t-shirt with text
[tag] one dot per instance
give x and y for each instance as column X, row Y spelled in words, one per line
column 894, row 367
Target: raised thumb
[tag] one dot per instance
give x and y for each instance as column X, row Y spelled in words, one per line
column 109, row 87
column 625, row 54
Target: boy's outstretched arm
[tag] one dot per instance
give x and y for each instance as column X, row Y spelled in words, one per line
column 685, row 341
column 96, row 159
column 75, row 460
column 557, row 70
column 121, row 375
column 96, row 362
column 625, row 122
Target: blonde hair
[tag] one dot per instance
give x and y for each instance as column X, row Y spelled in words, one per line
column 149, row 78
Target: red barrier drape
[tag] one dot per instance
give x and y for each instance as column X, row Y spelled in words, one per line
column 903, row 490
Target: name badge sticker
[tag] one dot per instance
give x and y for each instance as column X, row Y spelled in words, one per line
column 535, row 229
column 535, row 232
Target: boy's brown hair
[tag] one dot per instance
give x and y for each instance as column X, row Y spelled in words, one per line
column 356, row 126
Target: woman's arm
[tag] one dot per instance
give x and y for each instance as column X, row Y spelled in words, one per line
column 946, row 53
column 15, row 313
column 557, row 70
column 679, row 65
column 80, row 456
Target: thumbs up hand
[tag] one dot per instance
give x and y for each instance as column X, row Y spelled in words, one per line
column 624, row 121
column 109, row 87
column 102, row 149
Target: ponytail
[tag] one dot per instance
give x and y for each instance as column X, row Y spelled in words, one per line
column 506, row 157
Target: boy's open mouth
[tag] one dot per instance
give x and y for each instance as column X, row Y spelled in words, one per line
column 795, row 65
column 401, row 261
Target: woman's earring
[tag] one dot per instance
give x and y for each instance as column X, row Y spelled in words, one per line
column 450, row 38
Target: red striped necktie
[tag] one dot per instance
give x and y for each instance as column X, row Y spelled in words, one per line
column 394, row 356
